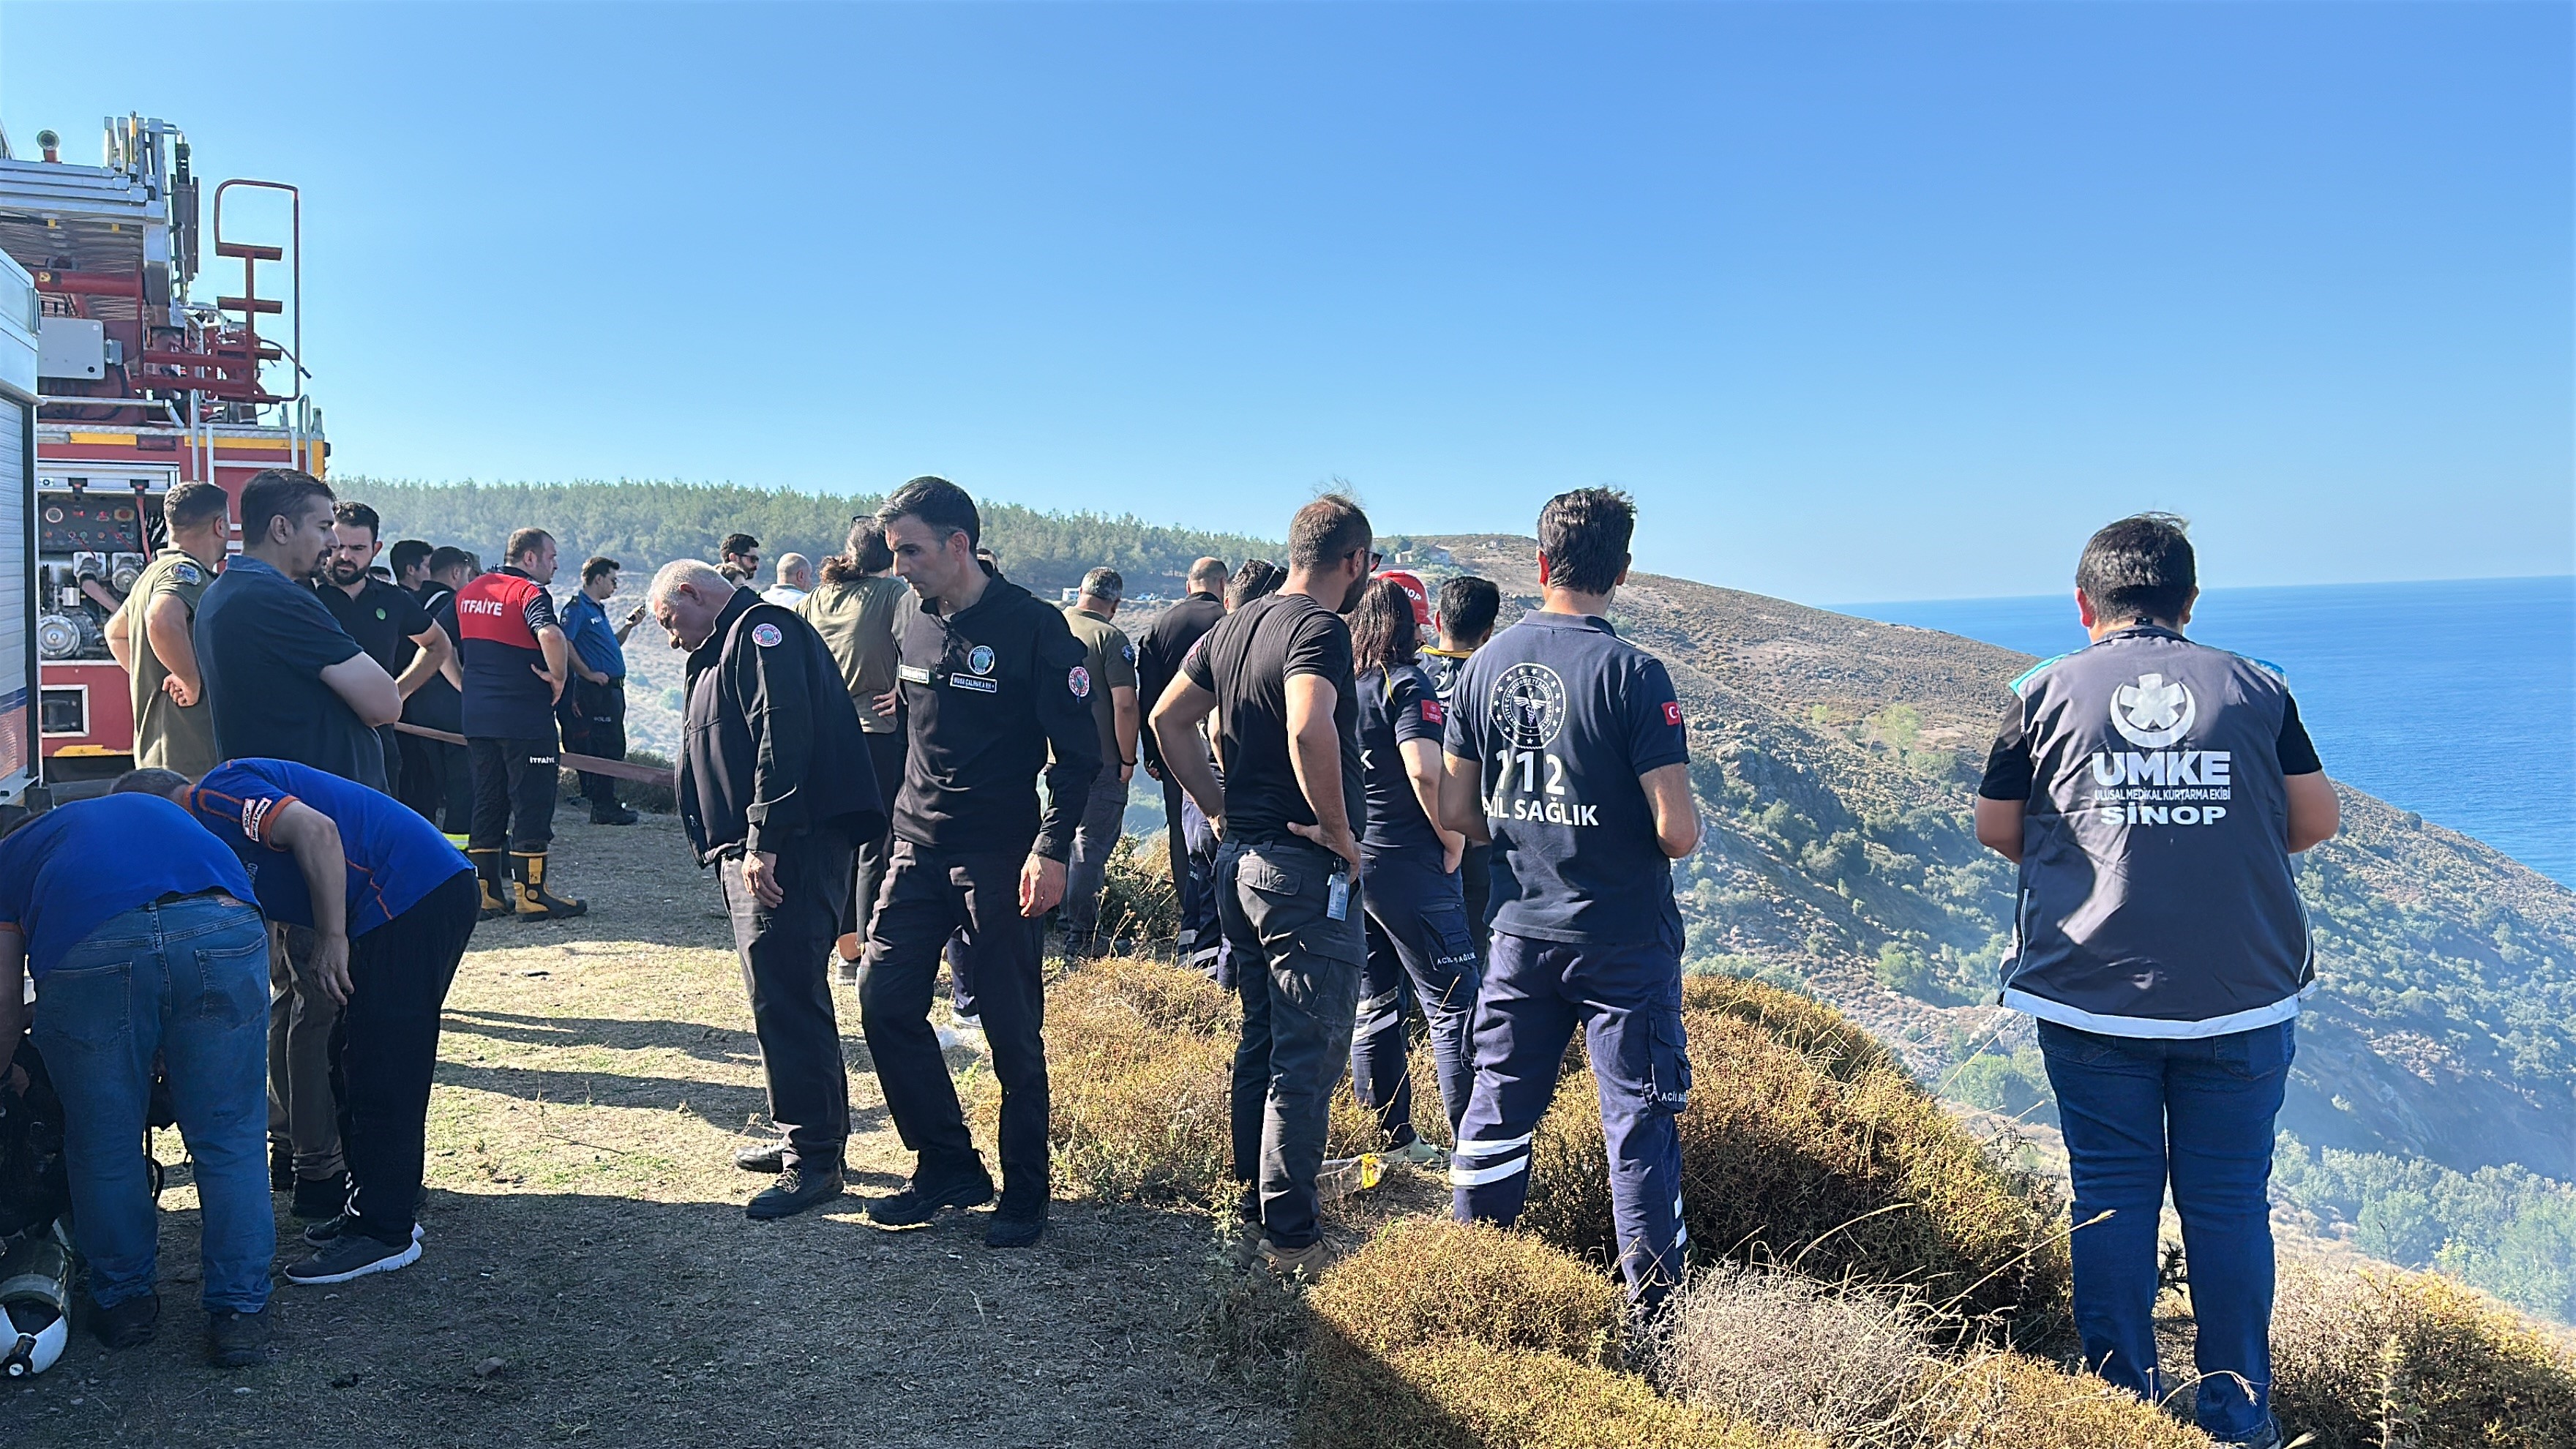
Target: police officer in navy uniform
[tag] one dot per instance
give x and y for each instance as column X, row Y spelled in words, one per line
column 1566, row 745
column 769, row 797
column 2152, row 791
column 991, row 679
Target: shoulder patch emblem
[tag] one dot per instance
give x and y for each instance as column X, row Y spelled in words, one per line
column 1673, row 713
column 766, row 635
column 1078, row 679
column 188, row 573
column 1433, row 712
column 980, row 659
column 1127, row 648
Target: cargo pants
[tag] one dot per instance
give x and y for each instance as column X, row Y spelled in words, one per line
column 1628, row 1000
column 1298, row 969
column 1419, row 951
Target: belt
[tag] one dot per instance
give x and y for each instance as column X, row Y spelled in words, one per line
column 218, row 893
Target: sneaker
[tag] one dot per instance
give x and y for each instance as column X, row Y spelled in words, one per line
column 769, row 1160
column 1015, row 1230
column 1306, row 1262
column 325, row 1234
column 237, row 1340
column 129, row 1324
column 919, row 1202
column 613, row 815
column 320, row 1199
column 2267, row 1437
column 798, row 1188
column 354, row 1255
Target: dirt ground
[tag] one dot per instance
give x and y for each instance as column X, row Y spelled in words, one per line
column 588, row 1274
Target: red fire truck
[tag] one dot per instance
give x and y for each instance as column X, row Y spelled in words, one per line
column 142, row 386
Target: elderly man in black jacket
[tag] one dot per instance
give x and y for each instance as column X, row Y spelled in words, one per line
column 768, row 797
column 993, row 681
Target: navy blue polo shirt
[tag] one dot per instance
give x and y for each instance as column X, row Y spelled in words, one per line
column 586, row 627
column 395, row 857
column 85, row 862
column 1396, row 706
column 1564, row 716
column 264, row 641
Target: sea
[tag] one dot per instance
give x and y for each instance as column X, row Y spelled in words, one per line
column 2455, row 699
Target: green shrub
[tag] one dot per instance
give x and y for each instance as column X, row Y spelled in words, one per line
column 2387, row 1360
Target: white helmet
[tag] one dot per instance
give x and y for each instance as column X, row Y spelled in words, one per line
column 35, row 1303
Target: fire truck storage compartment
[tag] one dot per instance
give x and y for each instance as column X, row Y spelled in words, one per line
column 94, row 532
column 18, row 324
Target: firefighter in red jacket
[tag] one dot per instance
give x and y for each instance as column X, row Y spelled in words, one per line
column 515, row 663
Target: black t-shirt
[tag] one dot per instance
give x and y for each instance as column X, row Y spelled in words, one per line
column 264, row 641
column 436, row 705
column 1563, row 717
column 1396, row 707
column 383, row 618
column 2009, row 771
column 1245, row 661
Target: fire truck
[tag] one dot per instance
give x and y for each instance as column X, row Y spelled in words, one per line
column 140, row 386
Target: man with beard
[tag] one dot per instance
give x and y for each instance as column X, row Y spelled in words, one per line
column 516, row 662
column 386, row 619
column 1277, row 671
column 992, row 679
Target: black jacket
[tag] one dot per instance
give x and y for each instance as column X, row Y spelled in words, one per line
column 771, row 745
column 1158, row 659
column 987, row 691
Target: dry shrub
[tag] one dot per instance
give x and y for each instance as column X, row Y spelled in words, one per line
column 1138, row 904
column 1833, row 1042
column 2001, row 1400
column 1426, row 1278
column 2393, row 1360
column 1787, row 1352
column 1452, row 1394
column 1807, row 1156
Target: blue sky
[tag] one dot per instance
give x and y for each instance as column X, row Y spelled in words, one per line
column 1860, row 301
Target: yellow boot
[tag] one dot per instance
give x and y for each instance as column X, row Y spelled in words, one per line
column 496, row 889
column 528, row 879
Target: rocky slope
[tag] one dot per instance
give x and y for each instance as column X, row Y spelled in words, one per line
column 1836, row 759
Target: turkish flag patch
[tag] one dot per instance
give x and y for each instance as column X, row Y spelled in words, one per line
column 1432, row 713
column 1673, row 713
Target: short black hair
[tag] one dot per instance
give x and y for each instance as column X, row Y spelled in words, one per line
column 1256, row 577
column 1468, row 606
column 1384, row 631
column 408, row 554
column 192, row 505
column 2140, row 568
column 1584, row 536
column 598, row 566
column 350, row 510
column 448, row 556
column 737, row 543
column 277, row 493
column 935, row 501
column 526, row 541
column 150, row 780
column 1327, row 531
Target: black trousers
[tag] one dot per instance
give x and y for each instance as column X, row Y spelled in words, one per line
column 782, row 949
column 593, row 717
column 1476, row 882
column 387, row 1049
column 1185, row 886
column 438, row 782
column 930, row 896
column 870, row 860
column 514, row 793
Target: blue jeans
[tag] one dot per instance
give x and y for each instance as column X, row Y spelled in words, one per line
column 186, row 980
column 2141, row 1112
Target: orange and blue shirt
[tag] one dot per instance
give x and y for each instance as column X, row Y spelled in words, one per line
column 395, row 857
column 83, row 863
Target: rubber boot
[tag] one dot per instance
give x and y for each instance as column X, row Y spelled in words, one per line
column 528, row 878
column 496, row 887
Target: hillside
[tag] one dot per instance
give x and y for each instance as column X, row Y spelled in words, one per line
column 1836, row 758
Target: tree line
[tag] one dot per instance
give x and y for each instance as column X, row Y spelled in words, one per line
column 650, row 523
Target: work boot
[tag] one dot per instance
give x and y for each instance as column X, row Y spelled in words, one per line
column 496, row 887
column 798, row 1188
column 921, row 1199
column 1013, row 1228
column 320, row 1199
column 128, row 1324
column 236, row 1340
column 535, row 903
column 281, row 1167
column 612, row 813
column 1306, row 1262
column 769, row 1159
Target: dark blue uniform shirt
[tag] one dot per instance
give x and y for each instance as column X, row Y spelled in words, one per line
column 586, row 626
column 1564, row 716
column 395, row 857
column 1396, row 706
column 81, row 864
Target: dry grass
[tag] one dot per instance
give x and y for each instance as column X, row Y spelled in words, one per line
column 2391, row 1360
column 1804, row 1144
column 1426, row 1279
column 2003, row 1400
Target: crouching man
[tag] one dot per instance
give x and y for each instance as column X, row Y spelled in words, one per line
column 775, row 793
column 2153, row 791
column 143, row 941
column 391, row 905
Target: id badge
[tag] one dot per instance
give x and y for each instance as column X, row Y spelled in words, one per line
column 1337, row 897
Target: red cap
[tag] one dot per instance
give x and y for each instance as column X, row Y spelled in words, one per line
column 1413, row 590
